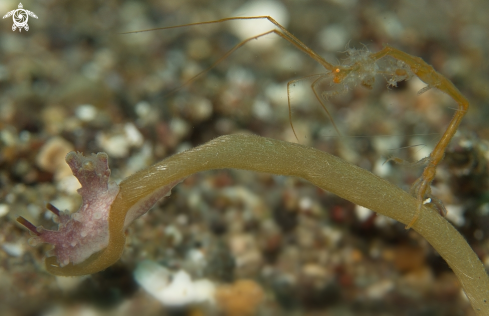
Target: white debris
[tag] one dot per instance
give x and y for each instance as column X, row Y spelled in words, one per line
column 86, row 112
column 3, row 210
column 13, row 249
column 197, row 257
column 179, row 127
column 174, row 233
column 142, row 109
column 120, row 140
column 362, row 213
column 382, row 221
column 116, row 146
column 455, row 214
column 262, row 110
column 173, row 289
column 305, row 203
column 377, row 291
column 133, row 135
column 381, row 168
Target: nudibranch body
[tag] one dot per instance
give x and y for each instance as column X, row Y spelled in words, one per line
column 92, row 238
column 84, row 232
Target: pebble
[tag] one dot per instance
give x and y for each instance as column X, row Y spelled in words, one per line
column 173, row 289
column 4, row 209
column 86, row 112
column 241, row 298
column 334, row 37
column 246, row 29
column 120, row 140
column 140, row 160
column 51, row 157
column 455, row 214
column 381, row 168
column 115, row 146
column 377, row 291
column 69, row 283
column 133, row 135
column 262, row 110
column 362, row 213
column 14, row 249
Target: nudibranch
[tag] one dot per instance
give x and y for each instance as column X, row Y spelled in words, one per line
column 85, row 234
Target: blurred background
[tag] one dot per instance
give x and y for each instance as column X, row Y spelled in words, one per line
column 265, row 244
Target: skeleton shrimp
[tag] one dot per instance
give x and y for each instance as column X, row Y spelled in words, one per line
column 361, row 67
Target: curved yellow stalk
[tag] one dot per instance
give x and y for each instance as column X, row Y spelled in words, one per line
column 326, row 171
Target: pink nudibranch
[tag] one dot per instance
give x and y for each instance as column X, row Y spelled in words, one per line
column 86, row 232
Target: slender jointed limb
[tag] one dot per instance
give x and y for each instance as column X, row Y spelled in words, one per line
column 421, row 188
column 313, row 85
column 283, row 33
column 313, row 88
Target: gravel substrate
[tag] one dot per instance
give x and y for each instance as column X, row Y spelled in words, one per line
column 265, row 244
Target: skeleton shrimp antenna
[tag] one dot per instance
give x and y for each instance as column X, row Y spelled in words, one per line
column 283, row 33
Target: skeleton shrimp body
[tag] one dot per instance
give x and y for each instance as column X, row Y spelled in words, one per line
column 361, row 68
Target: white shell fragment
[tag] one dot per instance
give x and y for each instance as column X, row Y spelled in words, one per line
column 173, row 289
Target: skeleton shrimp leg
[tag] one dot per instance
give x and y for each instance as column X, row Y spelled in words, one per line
column 313, row 88
column 421, row 188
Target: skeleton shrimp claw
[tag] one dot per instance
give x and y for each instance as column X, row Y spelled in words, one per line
column 421, row 190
